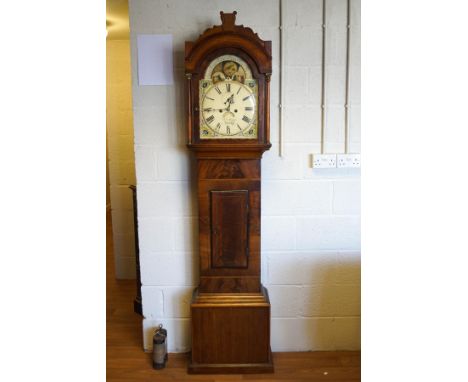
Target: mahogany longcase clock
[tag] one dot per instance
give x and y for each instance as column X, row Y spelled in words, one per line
column 228, row 71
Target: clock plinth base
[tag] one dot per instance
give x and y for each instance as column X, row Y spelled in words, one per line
column 234, row 368
column 230, row 333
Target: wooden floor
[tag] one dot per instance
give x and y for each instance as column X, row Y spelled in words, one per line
column 126, row 361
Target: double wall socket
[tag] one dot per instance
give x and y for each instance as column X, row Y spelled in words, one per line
column 324, row 161
column 336, row 160
column 348, row 160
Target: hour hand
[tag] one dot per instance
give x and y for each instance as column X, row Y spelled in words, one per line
column 230, row 100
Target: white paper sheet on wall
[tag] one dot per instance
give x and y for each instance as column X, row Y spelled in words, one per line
column 155, row 59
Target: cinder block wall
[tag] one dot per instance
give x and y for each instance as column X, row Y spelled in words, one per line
column 120, row 155
column 310, row 226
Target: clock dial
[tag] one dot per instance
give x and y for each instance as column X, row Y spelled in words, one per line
column 228, row 100
column 228, row 109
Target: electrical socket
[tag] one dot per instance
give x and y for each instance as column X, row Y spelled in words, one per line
column 324, row 161
column 348, row 160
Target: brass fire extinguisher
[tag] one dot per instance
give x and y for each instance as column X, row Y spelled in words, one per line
column 160, row 348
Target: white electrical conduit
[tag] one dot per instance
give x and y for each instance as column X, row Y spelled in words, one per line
column 281, row 125
column 347, row 105
column 322, row 102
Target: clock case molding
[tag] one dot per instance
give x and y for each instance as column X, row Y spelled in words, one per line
column 230, row 308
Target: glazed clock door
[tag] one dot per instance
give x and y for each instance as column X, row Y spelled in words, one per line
column 228, row 100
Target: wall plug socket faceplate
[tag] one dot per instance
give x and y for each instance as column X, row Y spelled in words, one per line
column 348, row 160
column 324, row 161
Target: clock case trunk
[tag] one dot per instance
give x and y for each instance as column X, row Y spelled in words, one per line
column 230, row 308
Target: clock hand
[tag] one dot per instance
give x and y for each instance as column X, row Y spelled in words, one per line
column 230, row 101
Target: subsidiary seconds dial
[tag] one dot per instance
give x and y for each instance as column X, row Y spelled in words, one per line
column 229, row 109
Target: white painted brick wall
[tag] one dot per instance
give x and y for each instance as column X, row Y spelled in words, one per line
column 284, row 301
column 177, row 301
column 152, row 301
column 156, row 234
column 301, row 117
column 301, row 334
column 328, row 232
column 146, row 171
column 282, row 197
column 186, row 233
column 347, row 197
column 278, row 233
column 165, row 199
column 310, row 222
column 302, row 268
column 173, row 268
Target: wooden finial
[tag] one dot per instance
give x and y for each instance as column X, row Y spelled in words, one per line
column 228, row 20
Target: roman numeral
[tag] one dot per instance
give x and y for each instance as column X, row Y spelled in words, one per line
column 218, row 126
column 249, row 108
column 217, row 89
column 228, row 130
column 240, row 128
column 246, row 98
column 210, row 98
column 208, row 109
column 210, row 119
column 240, row 87
column 246, row 119
column 228, row 87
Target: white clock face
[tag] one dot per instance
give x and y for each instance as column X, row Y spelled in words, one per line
column 228, row 100
column 228, row 110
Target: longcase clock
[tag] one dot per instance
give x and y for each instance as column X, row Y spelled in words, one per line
column 228, row 71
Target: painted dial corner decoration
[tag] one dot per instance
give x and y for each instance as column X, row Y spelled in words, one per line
column 228, row 100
